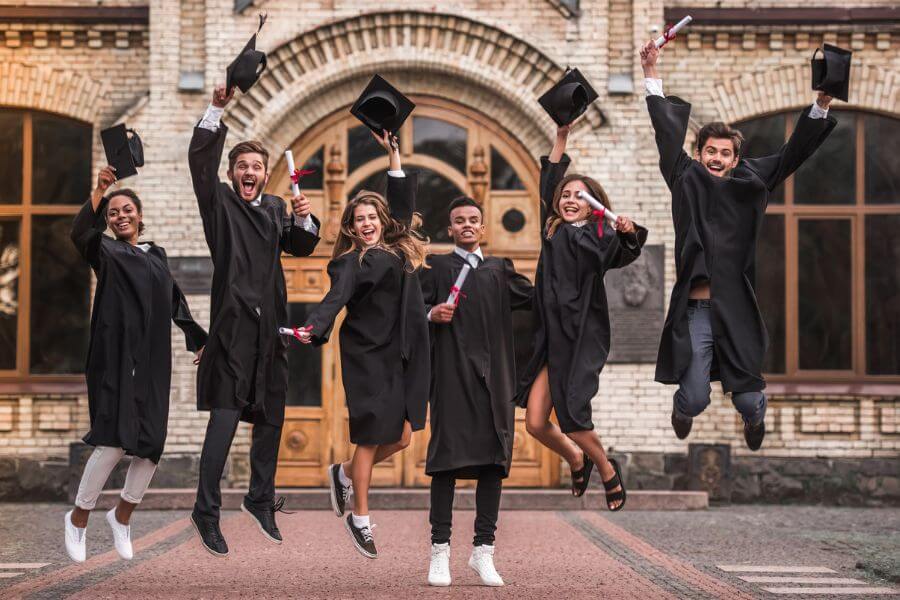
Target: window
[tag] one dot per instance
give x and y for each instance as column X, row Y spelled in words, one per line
column 828, row 260
column 44, row 283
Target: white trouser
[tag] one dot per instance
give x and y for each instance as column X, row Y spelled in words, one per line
column 101, row 463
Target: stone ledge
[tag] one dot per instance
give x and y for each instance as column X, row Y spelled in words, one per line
column 419, row 499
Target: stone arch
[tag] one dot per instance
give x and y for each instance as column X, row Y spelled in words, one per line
column 761, row 92
column 52, row 90
column 442, row 55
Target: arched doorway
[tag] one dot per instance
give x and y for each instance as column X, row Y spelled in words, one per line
column 456, row 150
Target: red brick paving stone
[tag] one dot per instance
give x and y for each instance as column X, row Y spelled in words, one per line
column 683, row 570
column 99, row 561
column 318, row 560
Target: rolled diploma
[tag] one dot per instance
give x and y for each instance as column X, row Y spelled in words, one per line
column 289, row 157
column 596, row 205
column 661, row 40
column 286, row 331
column 454, row 291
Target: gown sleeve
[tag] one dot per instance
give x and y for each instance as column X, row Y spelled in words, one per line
column 343, row 272
column 807, row 136
column 87, row 232
column 428, row 280
column 194, row 335
column 204, row 156
column 551, row 175
column 622, row 249
column 401, row 196
column 521, row 291
column 295, row 240
column 669, row 117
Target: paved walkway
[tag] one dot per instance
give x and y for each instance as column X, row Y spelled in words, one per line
column 541, row 554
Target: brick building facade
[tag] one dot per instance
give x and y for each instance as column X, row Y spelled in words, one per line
column 475, row 68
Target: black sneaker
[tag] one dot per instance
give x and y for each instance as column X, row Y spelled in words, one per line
column 754, row 434
column 210, row 535
column 339, row 491
column 681, row 425
column 265, row 519
column 362, row 538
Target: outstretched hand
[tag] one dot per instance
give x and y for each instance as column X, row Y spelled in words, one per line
column 301, row 206
column 389, row 142
column 824, row 100
column 625, row 225
column 105, row 178
column 221, row 96
column 649, row 57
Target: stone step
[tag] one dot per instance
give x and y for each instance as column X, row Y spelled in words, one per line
column 418, row 499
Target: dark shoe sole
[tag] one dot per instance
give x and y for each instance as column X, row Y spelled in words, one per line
column 258, row 526
column 333, row 493
column 356, row 545
column 202, row 543
column 678, row 434
column 761, row 439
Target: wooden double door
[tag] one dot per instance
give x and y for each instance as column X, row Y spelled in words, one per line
column 456, row 151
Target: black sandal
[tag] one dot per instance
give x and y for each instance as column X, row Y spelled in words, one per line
column 611, row 484
column 581, row 477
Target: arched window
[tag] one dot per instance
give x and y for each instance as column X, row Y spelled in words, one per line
column 44, row 283
column 828, row 264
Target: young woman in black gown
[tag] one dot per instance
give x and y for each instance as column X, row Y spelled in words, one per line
column 385, row 360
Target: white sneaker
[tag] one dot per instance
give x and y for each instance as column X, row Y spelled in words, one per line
column 482, row 560
column 439, row 571
column 76, row 540
column 121, row 535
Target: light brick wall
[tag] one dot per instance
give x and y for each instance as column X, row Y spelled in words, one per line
column 727, row 73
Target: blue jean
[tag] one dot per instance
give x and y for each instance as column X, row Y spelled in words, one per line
column 692, row 396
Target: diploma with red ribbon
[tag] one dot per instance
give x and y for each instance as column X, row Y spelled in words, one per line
column 599, row 211
column 293, row 331
column 455, row 291
column 669, row 33
column 295, row 173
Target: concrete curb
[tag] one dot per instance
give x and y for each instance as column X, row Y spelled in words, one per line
column 418, row 499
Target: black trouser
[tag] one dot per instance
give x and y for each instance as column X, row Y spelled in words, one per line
column 220, row 431
column 487, row 505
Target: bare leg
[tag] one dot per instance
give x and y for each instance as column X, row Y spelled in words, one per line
column 361, row 474
column 386, row 450
column 590, row 444
column 80, row 517
column 539, row 425
column 123, row 511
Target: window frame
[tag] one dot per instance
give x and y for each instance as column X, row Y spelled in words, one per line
column 20, row 379
column 855, row 379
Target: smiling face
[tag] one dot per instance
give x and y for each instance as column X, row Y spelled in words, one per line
column 124, row 218
column 466, row 227
column 366, row 224
column 249, row 176
column 718, row 156
column 570, row 207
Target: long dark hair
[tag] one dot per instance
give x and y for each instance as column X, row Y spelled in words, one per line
column 596, row 190
column 132, row 195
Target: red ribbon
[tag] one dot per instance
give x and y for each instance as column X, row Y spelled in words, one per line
column 599, row 214
column 668, row 34
column 297, row 331
column 298, row 173
column 456, row 295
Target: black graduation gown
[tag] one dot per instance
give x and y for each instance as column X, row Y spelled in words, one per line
column 129, row 361
column 721, row 219
column 571, row 314
column 244, row 366
column 473, row 373
column 385, row 363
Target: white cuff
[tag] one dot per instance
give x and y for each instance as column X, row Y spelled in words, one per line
column 428, row 316
column 817, row 112
column 211, row 118
column 397, row 173
column 653, row 87
column 308, row 224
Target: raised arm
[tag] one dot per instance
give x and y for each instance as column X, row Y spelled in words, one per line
column 205, row 151
column 669, row 117
column 300, row 229
column 90, row 222
column 343, row 272
column 401, row 187
column 553, row 169
column 811, row 129
column 626, row 246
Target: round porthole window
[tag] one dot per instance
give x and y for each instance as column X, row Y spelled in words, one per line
column 513, row 220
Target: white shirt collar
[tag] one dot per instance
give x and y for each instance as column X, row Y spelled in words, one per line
column 579, row 223
column 465, row 253
column 258, row 200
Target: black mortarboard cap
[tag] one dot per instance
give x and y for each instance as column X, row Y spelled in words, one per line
column 382, row 106
column 569, row 98
column 831, row 72
column 248, row 66
column 123, row 152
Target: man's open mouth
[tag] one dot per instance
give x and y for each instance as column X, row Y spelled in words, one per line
column 248, row 185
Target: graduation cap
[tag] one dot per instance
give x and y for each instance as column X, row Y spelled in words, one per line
column 123, row 152
column 569, row 98
column 248, row 66
column 831, row 72
column 382, row 106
